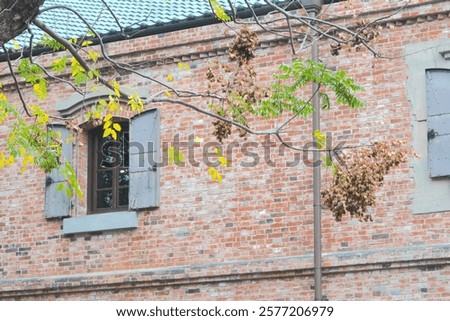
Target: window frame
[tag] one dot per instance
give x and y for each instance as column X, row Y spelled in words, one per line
column 430, row 195
column 92, row 180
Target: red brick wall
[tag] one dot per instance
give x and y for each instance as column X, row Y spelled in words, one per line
column 250, row 237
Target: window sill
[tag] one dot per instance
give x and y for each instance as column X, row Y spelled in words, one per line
column 100, row 222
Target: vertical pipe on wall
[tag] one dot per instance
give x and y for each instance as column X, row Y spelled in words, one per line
column 316, row 169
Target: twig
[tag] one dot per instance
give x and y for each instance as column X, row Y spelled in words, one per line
column 19, row 91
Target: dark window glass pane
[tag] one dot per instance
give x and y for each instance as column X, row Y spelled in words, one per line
column 123, row 196
column 104, row 179
column 104, row 199
column 124, row 177
column 110, row 154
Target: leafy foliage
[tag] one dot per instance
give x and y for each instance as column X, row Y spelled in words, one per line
column 30, row 72
column 292, row 79
column 110, row 127
column 48, row 41
column 59, row 64
column 30, row 143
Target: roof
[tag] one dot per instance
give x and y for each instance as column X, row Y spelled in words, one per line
column 124, row 19
column 133, row 16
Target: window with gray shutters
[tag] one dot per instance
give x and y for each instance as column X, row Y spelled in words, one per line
column 123, row 174
column 438, row 118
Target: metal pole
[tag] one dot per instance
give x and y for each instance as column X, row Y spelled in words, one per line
column 316, row 176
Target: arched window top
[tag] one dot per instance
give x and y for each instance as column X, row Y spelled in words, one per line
column 73, row 104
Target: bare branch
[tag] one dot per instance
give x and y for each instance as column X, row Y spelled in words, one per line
column 16, row 83
column 74, row 53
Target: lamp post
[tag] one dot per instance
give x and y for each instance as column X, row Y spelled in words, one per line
column 313, row 7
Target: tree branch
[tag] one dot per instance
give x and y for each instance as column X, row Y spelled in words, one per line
column 16, row 83
column 74, row 53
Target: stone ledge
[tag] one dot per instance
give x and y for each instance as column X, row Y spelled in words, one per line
column 100, row 222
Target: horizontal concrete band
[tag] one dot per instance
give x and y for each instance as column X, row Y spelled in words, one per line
column 423, row 258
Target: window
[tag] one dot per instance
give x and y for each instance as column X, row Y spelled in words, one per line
column 428, row 89
column 123, row 177
column 438, row 111
column 108, row 170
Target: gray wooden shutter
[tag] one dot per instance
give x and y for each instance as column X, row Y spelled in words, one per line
column 144, row 156
column 438, row 103
column 57, row 204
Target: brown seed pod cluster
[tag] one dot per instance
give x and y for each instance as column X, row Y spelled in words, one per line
column 355, row 183
column 222, row 129
column 242, row 49
column 365, row 33
column 236, row 82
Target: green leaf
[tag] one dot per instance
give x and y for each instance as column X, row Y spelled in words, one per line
column 30, row 72
column 81, row 78
column 48, row 41
column 175, row 156
column 219, row 11
column 60, row 187
column 325, row 101
column 58, row 65
column 40, row 89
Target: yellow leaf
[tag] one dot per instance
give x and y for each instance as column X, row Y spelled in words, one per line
column 168, row 94
column 107, row 118
column 116, row 88
column 40, row 89
column 2, row 97
column 112, row 104
column 321, row 139
column 117, row 127
column 223, row 161
column 107, row 132
column 114, row 134
column 107, row 124
column 16, row 44
column 183, row 66
column 86, row 43
column 10, row 160
column 197, row 139
column 93, row 55
column 169, row 77
column 215, row 175
column 135, row 102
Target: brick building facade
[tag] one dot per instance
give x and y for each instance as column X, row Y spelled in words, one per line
column 250, row 237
